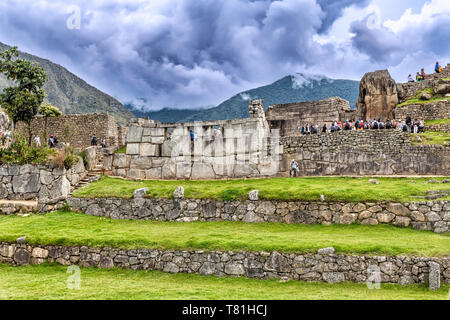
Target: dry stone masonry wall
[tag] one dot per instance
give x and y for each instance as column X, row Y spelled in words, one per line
column 220, row 149
column 426, row 215
column 367, row 152
column 44, row 183
column 76, row 129
column 331, row 268
column 426, row 111
column 289, row 118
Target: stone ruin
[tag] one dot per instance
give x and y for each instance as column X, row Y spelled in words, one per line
column 290, row 117
column 379, row 96
column 220, row 149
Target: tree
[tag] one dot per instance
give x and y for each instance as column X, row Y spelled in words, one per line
column 22, row 101
column 48, row 111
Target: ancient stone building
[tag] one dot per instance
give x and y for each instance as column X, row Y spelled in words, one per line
column 219, row 149
column 289, row 117
column 378, row 96
column 77, row 129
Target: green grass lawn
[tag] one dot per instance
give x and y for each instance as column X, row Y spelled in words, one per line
column 65, row 228
column 416, row 100
column 122, row 150
column 432, row 138
column 308, row 189
column 48, row 282
column 437, row 121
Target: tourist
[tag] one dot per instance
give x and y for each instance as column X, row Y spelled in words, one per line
column 415, row 126
column 324, row 128
column 418, row 77
column 103, row 142
column 422, row 74
column 421, row 128
column 294, row 168
column 437, row 67
column 37, row 141
column 410, row 79
column 380, row 124
column 408, row 124
column 388, row 124
column 303, row 130
column 94, row 140
column 332, row 128
column 51, row 142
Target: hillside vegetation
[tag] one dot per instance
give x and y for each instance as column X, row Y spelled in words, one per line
column 71, row 94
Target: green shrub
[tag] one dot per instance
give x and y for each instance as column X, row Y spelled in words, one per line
column 83, row 156
column 19, row 152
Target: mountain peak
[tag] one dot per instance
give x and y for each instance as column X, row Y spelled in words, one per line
column 302, row 79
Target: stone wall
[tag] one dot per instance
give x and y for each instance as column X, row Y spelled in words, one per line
column 290, row 117
column 426, row 111
column 221, row 149
column 366, row 152
column 331, row 268
column 429, row 215
column 39, row 182
column 76, row 129
column 443, row 127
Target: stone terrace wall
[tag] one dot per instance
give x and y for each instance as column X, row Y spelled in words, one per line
column 366, row 152
column 429, row 215
column 426, row 111
column 221, row 149
column 76, row 129
column 444, row 127
column 331, row 268
column 289, row 117
column 45, row 183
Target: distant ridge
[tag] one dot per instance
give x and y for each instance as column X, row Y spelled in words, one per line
column 292, row 88
column 72, row 94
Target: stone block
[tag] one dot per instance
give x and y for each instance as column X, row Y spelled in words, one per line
column 132, row 148
column 434, row 276
column 134, row 134
column 149, row 150
column 202, row 171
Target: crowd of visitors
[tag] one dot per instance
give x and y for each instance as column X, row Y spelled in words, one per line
column 407, row 125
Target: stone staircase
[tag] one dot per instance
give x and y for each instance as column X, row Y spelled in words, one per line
column 92, row 174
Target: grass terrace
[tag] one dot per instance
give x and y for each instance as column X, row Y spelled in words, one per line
column 431, row 138
column 49, row 282
column 437, row 121
column 416, row 99
column 306, row 189
column 66, row 228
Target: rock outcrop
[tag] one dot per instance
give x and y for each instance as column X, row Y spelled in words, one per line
column 4, row 121
column 377, row 95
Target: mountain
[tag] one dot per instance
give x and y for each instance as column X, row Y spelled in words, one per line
column 72, row 94
column 292, row 88
column 163, row 115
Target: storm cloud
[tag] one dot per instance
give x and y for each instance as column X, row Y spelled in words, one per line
column 192, row 53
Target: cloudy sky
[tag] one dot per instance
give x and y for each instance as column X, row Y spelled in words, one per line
column 191, row 53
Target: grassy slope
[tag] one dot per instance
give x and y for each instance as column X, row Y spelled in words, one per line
column 49, row 282
column 432, row 138
column 333, row 188
column 437, row 121
column 79, row 229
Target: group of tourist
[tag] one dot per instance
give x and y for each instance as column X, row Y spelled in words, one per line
column 348, row 125
column 422, row 76
column 94, row 141
column 407, row 125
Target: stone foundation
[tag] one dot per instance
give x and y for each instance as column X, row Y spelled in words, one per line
column 429, row 215
column 331, row 268
column 43, row 182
